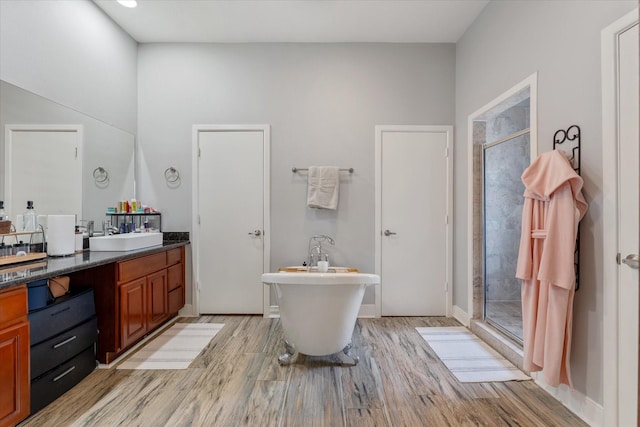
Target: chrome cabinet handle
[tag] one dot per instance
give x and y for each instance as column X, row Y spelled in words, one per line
column 255, row 233
column 65, row 373
column 632, row 260
column 67, row 341
column 389, row 233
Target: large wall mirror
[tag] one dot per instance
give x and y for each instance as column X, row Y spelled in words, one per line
column 105, row 158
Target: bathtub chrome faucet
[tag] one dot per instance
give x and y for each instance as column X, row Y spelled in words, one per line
column 315, row 253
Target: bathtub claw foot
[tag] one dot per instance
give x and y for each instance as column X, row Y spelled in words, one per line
column 290, row 355
column 346, row 357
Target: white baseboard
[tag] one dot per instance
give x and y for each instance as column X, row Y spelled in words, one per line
column 273, row 313
column 461, row 316
column 187, row 311
column 589, row 411
column 367, row 310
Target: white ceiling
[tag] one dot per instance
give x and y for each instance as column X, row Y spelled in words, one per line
column 400, row 21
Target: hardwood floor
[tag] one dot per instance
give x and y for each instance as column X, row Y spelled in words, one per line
column 237, row 381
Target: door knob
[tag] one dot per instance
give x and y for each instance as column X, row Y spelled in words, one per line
column 388, row 233
column 632, row 260
column 255, row 233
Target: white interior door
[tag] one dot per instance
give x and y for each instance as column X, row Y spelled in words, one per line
column 53, row 152
column 621, row 218
column 628, row 231
column 414, row 232
column 231, row 219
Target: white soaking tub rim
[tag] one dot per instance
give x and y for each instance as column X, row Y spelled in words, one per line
column 315, row 278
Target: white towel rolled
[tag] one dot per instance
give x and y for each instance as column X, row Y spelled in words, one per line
column 323, row 187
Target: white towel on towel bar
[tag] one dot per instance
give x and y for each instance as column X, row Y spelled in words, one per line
column 323, row 187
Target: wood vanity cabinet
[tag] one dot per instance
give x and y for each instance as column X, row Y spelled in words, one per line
column 144, row 297
column 134, row 297
column 14, row 356
column 143, row 306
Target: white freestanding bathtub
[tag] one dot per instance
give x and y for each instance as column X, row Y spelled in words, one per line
column 318, row 311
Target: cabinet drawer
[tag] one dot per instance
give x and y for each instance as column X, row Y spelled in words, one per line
column 67, row 313
column 176, row 300
column 54, row 351
column 13, row 304
column 174, row 256
column 175, row 277
column 139, row 267
column 56, row 382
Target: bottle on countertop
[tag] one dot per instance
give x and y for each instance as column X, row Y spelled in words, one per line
column 30, row 219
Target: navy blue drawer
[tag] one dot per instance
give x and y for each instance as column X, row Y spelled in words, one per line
column 65, row 313
column 54, row 351
column 58, row 381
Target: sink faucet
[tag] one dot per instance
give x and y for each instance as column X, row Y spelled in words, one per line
column 315, row 249
column 110, row 230
column 88, row 228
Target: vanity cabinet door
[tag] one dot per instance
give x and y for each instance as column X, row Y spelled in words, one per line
column 14, row 373
column 157, row 304
column 133, row 311
column 14, row 356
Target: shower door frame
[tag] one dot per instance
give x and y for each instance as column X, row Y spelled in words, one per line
column 475, row 303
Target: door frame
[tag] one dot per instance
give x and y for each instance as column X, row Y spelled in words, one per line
column 266, row 209
column 611, row 338
column 379, row 130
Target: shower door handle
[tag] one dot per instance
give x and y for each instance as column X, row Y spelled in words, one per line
column 255, row 233
column 389, row 233
column 632, row 260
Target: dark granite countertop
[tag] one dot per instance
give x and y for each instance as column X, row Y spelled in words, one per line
column 17, row 274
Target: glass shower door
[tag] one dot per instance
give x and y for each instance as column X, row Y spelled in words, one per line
column 503, row 164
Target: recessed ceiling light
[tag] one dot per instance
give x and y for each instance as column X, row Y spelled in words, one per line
column 128, row 3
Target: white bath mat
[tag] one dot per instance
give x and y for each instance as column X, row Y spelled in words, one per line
column 468, row 357
column 175, row 348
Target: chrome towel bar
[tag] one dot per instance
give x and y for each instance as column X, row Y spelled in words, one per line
column 295, row 169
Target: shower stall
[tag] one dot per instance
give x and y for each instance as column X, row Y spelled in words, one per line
column 503, row 140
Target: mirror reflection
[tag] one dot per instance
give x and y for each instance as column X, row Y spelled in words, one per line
column 105, row 158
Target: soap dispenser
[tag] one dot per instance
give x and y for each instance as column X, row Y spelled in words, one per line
column 30, row 219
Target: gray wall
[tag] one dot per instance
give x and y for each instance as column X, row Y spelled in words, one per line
column 322, row 102
column 69, row 51
column 561, row 41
